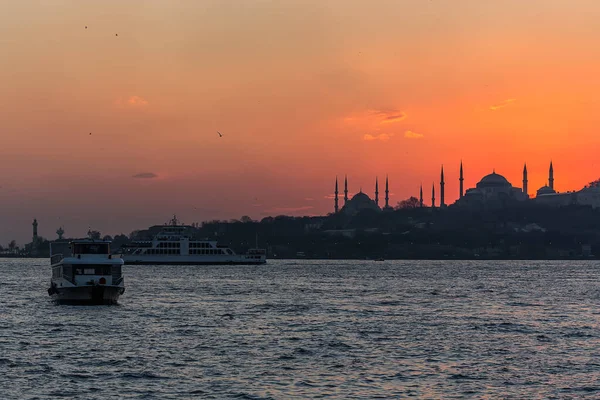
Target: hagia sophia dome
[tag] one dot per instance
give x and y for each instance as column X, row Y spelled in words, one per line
column 493, row 180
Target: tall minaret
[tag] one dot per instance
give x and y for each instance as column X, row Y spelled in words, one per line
column 525, row 179
column 461, row 180
column 345, row 189
column 35, row 233
column 421, row 196
column 336, row 204
column 377, row 191
column 551, row 177
column 433, row 195
column 442, row 203
column 387, row 193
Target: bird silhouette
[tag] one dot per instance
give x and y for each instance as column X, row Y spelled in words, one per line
column 220, row 134
column 90, row 133
column 116, row 34
column 86, row 27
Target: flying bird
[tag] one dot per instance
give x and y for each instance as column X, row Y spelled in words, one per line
column 90, row 133
column 116, row 34
column 220, row 134
column 86, row 27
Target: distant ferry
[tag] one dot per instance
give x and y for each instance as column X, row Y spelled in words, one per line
column 89, row 274
column 172, row 245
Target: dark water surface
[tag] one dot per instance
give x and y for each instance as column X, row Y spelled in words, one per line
column 309, row 329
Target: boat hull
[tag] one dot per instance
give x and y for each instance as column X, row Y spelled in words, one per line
column 184, row 261
column 87, row 294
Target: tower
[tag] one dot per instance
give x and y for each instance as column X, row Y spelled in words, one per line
column 433, row 195
column 336, row 206
column 551, row 177
column 421, row 196
column 35, row 232
column 345, row 189
column 60, row 232
column 387, row 193
column 461, row 180
column 525, row 179
column 377, row 191
column 442, row 203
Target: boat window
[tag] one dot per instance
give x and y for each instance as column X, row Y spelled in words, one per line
column 93, row 270
column 91, row 248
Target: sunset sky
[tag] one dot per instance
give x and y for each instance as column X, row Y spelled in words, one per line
column 302, row 91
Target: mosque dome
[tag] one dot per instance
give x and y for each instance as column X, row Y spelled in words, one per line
column 360, row 201
column 360, row 197
column 545, row 190
column 493, row 180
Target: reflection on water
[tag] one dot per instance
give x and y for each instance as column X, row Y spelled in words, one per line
column 300, row 329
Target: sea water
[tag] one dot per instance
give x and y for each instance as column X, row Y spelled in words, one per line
column 306, row 329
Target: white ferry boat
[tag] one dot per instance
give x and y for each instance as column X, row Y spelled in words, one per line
column 89, row 274
column 174, row 246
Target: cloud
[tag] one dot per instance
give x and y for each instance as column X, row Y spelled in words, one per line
column 137, row 101
column 413, row 135
column 133, row 101
column 145, row 175
column 384, row 137
column 289, row 209
column 502, row 104
column 375, row 117
column 388, row 117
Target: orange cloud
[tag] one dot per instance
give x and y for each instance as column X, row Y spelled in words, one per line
column 384, row 137
column 413, row 135
column 137, row 101
column 501, row 104
column 388, row 117
column 373, row 118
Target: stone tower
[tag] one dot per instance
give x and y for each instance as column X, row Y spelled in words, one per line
column 525, row 181
column 336, row 205
column 35, row 230
column 345, row 189
column 442, row 202
column 461, row 181
column 551, row 177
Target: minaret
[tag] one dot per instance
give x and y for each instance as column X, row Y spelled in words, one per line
column 433, row 195
column 336, row 201
column 376, row 191
column 387, row 193
column 35, row 233
column 525, row 179
column 345, row 189
column 421, row 196
column 551, row 177
column 442, row 203
column 461, row 179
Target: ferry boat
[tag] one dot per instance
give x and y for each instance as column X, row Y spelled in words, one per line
column 89, row 274
column 174, row 245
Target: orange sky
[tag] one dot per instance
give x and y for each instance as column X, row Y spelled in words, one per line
column 302, row 90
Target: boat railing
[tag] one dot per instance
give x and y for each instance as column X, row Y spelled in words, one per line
column 118, row 281
column 56, row 258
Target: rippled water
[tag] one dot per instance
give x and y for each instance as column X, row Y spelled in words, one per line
column 340, row 329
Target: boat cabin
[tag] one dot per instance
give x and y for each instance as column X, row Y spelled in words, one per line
column 90, row 263
column 96, row 247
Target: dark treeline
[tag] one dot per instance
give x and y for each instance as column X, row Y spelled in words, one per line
column 523, row 231
column 520, row 231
